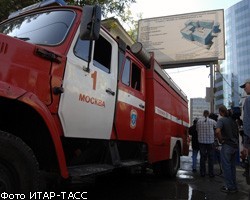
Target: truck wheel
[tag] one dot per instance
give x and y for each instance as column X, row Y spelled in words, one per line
column 171, row 167
column 168, row 168
column 19, row 171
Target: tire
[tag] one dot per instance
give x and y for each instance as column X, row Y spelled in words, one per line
column 169, row 168
column 172, row 166
column 19, row 170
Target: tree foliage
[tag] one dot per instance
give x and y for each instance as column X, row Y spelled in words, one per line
column 114, row 7
column 117, row 8
column 9, row 6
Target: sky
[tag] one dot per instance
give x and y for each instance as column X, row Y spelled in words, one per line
column 192, row 80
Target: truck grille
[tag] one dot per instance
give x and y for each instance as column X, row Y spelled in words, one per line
column 3, row 47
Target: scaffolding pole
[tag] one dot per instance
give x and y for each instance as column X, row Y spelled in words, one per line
column 211, row 88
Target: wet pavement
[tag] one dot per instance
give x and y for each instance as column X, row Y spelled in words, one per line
column 210, row 187
column 187, row 185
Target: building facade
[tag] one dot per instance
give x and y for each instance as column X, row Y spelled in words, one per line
column 197, row 106
column 236, row 68
column 219, row 93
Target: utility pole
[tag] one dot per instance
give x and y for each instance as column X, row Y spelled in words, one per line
column 211, row 88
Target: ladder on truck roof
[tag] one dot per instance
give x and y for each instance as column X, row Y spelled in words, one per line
column 169, row 80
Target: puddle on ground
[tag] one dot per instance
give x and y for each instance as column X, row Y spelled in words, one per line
column 184, row 175
column 146, row 187
column 185, row 191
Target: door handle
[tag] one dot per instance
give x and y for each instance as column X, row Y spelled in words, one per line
column 141, row 106
column 109, row 91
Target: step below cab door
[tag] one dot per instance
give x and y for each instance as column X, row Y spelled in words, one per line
column 130, row 109
column 88, row 102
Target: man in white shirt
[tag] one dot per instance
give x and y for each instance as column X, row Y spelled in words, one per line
column 206, row 135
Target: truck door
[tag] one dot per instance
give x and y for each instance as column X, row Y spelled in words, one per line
column 130, row 108
column 88, row 102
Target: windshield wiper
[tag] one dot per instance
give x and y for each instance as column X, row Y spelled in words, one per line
column 22, row 38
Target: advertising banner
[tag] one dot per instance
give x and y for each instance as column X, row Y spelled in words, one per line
column 186, row 39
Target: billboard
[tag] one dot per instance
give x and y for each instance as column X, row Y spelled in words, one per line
column 186, row 39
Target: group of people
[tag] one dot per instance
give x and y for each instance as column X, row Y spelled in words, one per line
column 224, row 129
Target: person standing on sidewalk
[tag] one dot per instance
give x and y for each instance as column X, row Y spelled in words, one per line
column 195, row 144
column 246, row 118
column 205, row 128
column 246, row 127
column 228, row 134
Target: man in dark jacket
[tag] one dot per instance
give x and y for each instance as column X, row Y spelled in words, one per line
column 195, row 144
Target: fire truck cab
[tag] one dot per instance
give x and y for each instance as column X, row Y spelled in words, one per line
column 77, row 102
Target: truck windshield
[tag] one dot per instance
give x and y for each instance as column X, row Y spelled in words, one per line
column 46, row 28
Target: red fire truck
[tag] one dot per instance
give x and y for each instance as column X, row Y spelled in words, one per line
column 77, row 102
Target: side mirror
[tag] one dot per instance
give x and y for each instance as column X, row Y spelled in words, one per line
column 90, row 22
